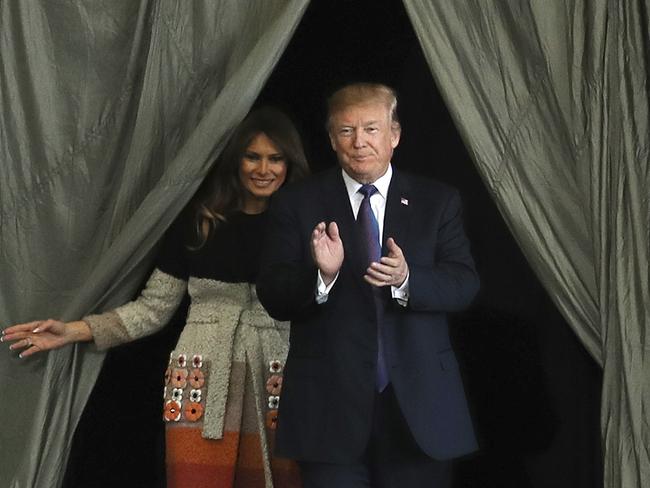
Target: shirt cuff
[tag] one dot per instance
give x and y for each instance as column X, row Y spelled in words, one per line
column 401, row 294
column 322, row 290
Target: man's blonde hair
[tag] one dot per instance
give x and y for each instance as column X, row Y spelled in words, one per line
column 360, row 93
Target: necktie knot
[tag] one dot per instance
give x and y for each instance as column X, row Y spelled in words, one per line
column 368, row 225
column 368, row 190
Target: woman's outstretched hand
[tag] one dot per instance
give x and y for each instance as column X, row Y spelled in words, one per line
column 43, row 335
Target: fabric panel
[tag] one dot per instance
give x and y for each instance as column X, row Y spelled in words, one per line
column 111, row 115
column 551, row 99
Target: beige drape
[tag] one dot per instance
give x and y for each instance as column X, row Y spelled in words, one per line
column 110, row 114
column 551, row 98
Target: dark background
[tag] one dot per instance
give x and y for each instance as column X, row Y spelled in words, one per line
column 533, row 389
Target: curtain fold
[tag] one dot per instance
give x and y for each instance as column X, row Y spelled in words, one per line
column 110, row 115
column 551, row 98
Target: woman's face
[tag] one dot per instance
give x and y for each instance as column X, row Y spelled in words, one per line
column 263, row 169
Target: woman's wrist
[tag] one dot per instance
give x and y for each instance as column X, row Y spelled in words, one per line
column 79, row 331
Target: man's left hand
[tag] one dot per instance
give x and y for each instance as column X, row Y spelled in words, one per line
column 391, row 270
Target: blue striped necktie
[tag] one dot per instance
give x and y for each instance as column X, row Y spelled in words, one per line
column 369, row 228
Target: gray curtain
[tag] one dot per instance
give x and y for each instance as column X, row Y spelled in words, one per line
column 110, row 115
column 551, row 98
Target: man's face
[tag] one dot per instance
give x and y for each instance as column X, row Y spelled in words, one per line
column 364, row 140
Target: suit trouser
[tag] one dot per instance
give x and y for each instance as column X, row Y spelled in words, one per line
column 392, row 459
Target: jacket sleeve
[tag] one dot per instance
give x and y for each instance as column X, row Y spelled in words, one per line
column 286, row 285
column 143, row 316
column 452, row 282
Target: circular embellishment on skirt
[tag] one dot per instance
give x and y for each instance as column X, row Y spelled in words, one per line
column 177, row 394
column 193, row 411
column 172, row 411
column 274, row 384
column 272, row 419
column 179, row 377
column 274, row 401
column 195, row 395
column 197, row 378
column 275, row 366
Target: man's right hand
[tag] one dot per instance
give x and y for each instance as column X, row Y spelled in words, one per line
column 327, row 250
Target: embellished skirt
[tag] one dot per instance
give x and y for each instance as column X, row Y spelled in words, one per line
column 242, row 458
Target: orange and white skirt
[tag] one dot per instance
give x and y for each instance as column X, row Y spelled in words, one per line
column 237, row 459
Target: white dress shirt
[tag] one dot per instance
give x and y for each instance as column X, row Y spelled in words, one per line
column 378, row 206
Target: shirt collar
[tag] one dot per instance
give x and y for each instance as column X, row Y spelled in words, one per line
column 382, row 183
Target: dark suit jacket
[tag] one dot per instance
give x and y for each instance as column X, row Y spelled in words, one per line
column 328, row 390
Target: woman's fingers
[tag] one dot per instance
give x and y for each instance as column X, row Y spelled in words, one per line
column 44, row 325
column 33, row 337
column 26, row 327
column 21, row 342
column 28, row 345
column 33, row 349
column 21, row 331
column 15, row 336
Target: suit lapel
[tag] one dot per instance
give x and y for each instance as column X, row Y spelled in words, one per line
column 398, row 210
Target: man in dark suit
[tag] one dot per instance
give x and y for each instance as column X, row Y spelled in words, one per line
column 372, row 394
